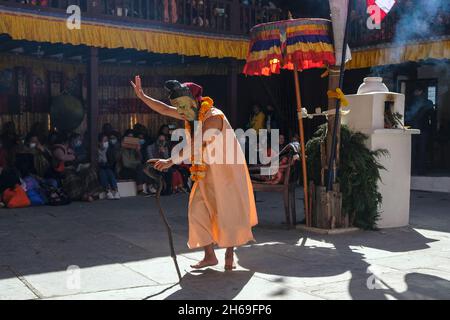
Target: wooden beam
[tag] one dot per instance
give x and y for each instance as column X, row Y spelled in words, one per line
column 122, row 55
column 93, row 109
column 10, row 45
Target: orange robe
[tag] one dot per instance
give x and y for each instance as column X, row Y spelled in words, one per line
column 222, row 206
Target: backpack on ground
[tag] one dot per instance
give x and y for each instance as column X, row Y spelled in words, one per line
column 56, row 196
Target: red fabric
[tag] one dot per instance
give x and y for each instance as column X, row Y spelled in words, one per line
column 305, row 60
column 16, row 198
column 177, row 179
column 196, row 90
column 60, row 167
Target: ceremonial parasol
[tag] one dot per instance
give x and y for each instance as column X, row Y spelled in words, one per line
column 297, row 45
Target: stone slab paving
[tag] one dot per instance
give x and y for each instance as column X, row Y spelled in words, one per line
column 119, row 250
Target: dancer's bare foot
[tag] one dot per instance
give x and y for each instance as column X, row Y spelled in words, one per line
column 207, row 262
column 229, row 259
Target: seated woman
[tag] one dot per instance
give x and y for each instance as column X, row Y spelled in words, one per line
column 80, row 182
column 284, row 156
column 41, row 155
column 130, row 165
column 106, row 170
column 113, row 152
column 277, row 178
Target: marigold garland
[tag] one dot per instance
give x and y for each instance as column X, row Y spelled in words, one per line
column 198, row 168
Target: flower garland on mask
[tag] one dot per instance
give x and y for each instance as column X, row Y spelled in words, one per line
column 198, row 168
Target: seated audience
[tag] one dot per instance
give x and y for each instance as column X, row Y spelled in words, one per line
column 80, row 182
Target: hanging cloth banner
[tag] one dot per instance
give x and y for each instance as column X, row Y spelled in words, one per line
column 45, row 27
column 339, row 18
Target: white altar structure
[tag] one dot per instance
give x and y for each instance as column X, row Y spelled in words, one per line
column 366, row 115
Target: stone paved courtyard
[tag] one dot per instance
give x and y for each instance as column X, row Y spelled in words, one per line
column 122, row 251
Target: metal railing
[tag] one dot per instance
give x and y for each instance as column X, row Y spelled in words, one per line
column 216, row 16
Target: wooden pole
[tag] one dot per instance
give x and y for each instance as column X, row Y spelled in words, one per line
column 333, row 83
column 93, row 103
column 334, row 140
column 302, row 146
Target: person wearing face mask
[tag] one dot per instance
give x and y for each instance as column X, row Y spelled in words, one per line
column 79, row 182
column 130, row 165
column 143, row 144
column 41, row 156
column 159, row 149
column 106, row 173
column 108, row 130
column 113, row 152
column 79, row 149
column 113, row 140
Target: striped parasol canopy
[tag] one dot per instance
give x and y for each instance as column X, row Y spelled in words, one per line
column 305, row 43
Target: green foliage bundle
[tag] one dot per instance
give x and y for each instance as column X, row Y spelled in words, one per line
column 358, row 175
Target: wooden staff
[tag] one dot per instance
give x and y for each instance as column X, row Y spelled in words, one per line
column 166, row 222
column 302, row 145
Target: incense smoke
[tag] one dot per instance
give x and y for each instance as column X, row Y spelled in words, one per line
column 418, row 20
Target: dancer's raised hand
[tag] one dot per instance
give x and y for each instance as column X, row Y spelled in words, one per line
column 154, row 104
column 137, row 85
